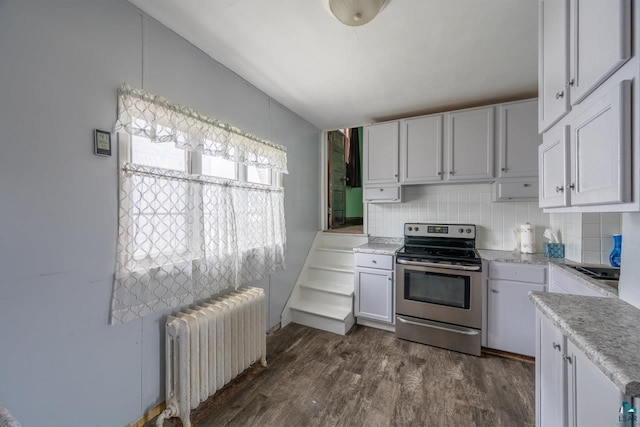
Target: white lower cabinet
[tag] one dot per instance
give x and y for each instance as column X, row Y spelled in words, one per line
column 570, row 389
column 563, row 282
column 374, row 287
column 511, row 318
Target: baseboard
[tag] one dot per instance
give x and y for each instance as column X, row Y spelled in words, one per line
column 508, row 355
column 377, row 325
column 274, row 328
column 151, row 414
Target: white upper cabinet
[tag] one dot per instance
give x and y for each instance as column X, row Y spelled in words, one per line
column 553, row 65
column 421, row 149
column 600, row 43
column 380, row 152
column 581, row 44
column 553, row 163
column 518, row 139
column 601, row 150
column 470, row 142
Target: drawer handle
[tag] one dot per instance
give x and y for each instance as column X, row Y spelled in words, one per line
column 527, row 185
column 374, row 261
column 382, row 189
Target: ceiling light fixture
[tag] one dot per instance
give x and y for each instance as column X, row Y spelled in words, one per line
column 355, row 12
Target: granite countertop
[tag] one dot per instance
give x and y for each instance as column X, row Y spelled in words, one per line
column 380, row 246
column 605, row 329
column 601, row 286
column 509, row 256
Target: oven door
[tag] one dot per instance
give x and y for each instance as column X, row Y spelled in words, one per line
column 449, row 294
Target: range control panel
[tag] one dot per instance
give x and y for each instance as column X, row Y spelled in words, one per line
column 459, row 231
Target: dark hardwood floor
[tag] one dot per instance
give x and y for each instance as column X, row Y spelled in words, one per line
column 370, row 378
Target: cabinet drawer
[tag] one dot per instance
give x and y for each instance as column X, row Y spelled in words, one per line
column 518, row 272
column 382, row 194
column 384, row 262
column 521, row 189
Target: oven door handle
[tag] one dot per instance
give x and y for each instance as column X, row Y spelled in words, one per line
column 439, row 265
column 427, row 324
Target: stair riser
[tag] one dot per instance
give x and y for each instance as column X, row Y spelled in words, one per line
column 315, row 295
column 330, row 239
column 331, row 276
column 334, row 258
column 323, row 323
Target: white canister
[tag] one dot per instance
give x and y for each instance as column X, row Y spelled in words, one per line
column 527, row 234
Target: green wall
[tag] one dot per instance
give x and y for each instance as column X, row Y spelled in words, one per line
column 354, row 195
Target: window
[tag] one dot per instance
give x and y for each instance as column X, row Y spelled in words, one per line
column 256, row 175
column 163, row 155
column 195, row 216
column 219, row 167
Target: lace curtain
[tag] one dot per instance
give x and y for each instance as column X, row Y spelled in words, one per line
column 154, row 117
column 184, row 237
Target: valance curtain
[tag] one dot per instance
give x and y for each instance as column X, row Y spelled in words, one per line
column 184, row 237
column 158, row 119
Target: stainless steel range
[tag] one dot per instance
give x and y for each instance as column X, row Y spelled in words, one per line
column 439, row 287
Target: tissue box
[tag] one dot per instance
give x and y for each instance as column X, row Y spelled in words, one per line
column 554, row 250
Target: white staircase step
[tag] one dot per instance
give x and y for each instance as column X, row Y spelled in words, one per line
column 329, row 287
column 322, row 310
column 333, row 267
column 341, row 249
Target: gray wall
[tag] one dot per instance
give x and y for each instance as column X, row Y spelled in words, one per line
column 61, row 363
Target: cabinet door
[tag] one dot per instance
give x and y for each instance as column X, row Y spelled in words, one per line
column 600, row 43
column 553, row 174
column 470, row 145
column 593, row 399
column 511, row 317
column 374, row 294
column 518, row 139
column 422, row 149
column 553, row 67
column 550, row 375
column 601, row 150
column 380, row 152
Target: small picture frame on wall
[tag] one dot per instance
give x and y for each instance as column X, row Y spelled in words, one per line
column 102, row 142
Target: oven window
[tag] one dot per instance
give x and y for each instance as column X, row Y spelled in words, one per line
column 436, row 288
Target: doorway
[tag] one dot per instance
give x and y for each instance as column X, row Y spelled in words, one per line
column 344, row 198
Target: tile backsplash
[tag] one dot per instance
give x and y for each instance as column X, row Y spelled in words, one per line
column 462, row 203
column 587, row 236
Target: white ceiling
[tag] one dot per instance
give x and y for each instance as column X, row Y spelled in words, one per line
column 415, row 57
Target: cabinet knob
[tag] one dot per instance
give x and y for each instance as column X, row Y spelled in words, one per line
column 503, row 169
column 570, row 83
column 559, row 189
column 389, row 278
column 396, row 175
column 439, row 173
column 567, row 359
column 527, row 185
column 560, row 94
column 382, row 189
column 556, row 346
column 452, row 173
column 572, row 186
column 374, row 261
column 495, row 291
